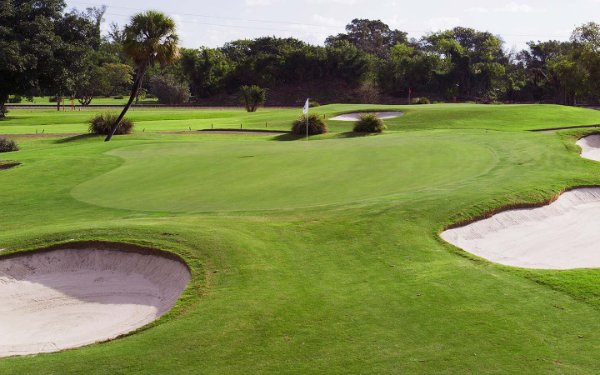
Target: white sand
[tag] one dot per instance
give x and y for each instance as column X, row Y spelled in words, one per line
column 590, row 147
column 356, row 116
column 60, row 299
column 562, row 235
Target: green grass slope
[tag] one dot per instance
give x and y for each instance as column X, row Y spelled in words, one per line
column 318, row 257
column 437, row 116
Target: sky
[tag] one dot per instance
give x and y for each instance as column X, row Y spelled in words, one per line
column 212, row 23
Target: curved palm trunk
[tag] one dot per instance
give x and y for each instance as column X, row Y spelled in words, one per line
column 134, row 92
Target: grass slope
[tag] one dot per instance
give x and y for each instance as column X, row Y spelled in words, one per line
column 286, row 282
column 438, row 116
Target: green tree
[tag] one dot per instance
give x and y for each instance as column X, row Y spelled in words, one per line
column 472, row 62
column 41, row 47
column 252, row 97
column 150, row 38
column 370, row 36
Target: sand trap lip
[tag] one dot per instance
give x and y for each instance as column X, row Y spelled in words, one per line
column 562, row 235
column 590, row 147
column 77, row 295
column 356, row 116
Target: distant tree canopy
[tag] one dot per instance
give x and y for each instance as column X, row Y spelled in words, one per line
column 44, row 49
column 373, row 37
column 456, row 64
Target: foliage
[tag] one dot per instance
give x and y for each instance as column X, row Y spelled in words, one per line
column 252, row 97
column 373, row 37
column 43, row 47
column 420, row 100
column 8, row 145
column 369, row 123
column 15, row 99
column 102, row 124
column 169, row 90
column 368, row 92
column 316, row 125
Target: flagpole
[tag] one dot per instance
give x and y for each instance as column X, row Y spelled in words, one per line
column 307, row 108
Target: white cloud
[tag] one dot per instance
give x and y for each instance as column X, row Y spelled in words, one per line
column 443, row 23
column 511, row 7
column 258, row 3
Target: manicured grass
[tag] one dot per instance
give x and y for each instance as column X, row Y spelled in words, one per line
column 45, row 100
column 439, row 116
column 318, row 257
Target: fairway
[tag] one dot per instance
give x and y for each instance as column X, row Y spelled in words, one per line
column 319, row 256
column 225, row 176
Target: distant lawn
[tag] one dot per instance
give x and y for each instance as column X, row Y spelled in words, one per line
column 437, row 116
column 45, row 100
column 319, row 256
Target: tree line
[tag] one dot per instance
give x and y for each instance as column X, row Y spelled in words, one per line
column 48, row 50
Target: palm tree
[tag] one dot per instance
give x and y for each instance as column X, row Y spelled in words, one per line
column 150, row 38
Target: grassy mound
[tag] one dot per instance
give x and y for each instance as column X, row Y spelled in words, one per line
column 319, row 256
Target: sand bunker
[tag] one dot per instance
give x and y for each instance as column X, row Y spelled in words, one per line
column 65, row 298
column 562, row 235
column 356, row 116
column 590, row 147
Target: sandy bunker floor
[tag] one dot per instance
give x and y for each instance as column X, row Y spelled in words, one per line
column 60, row 299
column 590, row 147
column 356, row 116
column 562, row 235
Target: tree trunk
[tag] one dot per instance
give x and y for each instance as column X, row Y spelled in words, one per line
column 3, row 110
column 134, row 92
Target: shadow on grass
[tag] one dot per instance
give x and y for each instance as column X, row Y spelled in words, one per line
column 354, row 135
column 76, row 138
column 345, row 135
column 8, row 164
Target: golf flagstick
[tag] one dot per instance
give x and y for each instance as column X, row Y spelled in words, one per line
column 305, row 111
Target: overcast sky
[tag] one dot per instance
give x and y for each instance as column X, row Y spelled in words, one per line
column 214, row 22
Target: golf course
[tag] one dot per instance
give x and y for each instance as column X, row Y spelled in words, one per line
column 310, row 256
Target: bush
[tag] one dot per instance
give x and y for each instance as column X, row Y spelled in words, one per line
column 316, row 125
column 15, row 99
column 52, row 99
column 314, row 103
column 253, row 97
column 369, row 123
column 118, row 97
column 103, row 123
column 421, row 100
column 7, row 145
column 169, row 90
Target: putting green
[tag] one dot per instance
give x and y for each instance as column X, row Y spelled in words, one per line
column 241, row 176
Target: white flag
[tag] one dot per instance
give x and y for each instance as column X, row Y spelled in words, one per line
column 306, row 106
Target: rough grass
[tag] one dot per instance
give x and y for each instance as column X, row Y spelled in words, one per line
column 282, row 286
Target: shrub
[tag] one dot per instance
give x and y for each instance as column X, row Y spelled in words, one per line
column 421, row 100
column 7, row 145
column 369, row 123
column 118, row 97
column 253, row 97
column 169, row 90
column 52, row 99
column 103, row 123
column 314, row 103
column 15, row 99
column 316, row 125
